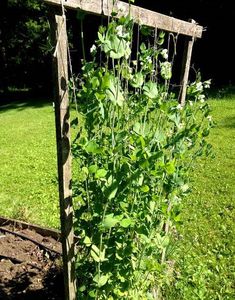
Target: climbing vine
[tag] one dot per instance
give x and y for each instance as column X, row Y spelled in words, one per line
column 134, row 147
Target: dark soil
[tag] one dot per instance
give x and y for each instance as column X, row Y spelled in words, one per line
column 27, row 270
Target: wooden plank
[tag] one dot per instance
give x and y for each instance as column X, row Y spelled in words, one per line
column 153, row 19
column 140, row 15
column 91, row 6
column 188, row 49
column 60, row 64
column 24, row 225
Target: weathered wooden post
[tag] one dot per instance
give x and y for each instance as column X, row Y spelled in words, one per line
column 188, row 49
column 60, row 66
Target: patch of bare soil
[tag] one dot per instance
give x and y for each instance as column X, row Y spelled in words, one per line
column 29, row 269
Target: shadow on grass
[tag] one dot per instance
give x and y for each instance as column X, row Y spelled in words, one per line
column 229, row 122
column 23, row 100
column 227, row 92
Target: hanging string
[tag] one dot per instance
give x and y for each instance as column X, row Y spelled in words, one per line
column 155, row 50
column 174, row 39
column 137, row 46
column 72, row 79
column 82, row 40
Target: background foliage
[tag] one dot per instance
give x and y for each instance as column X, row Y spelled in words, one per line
column 24, row 39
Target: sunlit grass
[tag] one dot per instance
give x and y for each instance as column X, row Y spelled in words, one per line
column 206, row 250
column 28, row 184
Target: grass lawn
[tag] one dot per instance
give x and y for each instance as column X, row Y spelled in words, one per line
column 28, row 184
column 206, row 251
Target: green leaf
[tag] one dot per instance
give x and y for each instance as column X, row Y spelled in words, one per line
column 95, row 253
column 101, row 280
column 109, row 221
column 145, row 30
column 143, row 47
column 87, row 241
column 170, row 167
column 101, row 173
column 82, row 288
column 92, row 169
column 92, row 293
column 85, row 171
column 126, row 222
column 137, row 127
column 94, row 82
column 116, row 47
column 101, row 37
column 152, row 206
column 112, row 89
column 145, row 188
column 112, row 188
column 100, row 96
column 137, row 80
column 92, row 147
column 150, row 90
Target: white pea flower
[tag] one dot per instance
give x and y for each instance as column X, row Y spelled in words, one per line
column 201, row 98
column 121, row 31
column 166, row 71
column 93, row 49
column 179, row 106
column 164, row 95
column 207, row 84
column 209, row 118
column 169, row 133
column 149, row 59
column 164, row 54
column 181, row 125
column 190, row 103
column 189, row 142
column 199, row 86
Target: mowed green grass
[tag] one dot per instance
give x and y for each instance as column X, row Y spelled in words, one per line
column 206, row 249
column 28, row 178
column 205, row 260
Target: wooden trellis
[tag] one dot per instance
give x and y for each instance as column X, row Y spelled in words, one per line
column 58, row 21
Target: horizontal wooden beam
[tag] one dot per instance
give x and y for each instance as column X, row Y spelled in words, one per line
column 140, row 15
column 91, row 6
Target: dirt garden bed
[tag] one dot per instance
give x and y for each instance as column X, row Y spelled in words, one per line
column 30, row 262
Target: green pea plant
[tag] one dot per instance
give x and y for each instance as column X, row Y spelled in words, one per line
column 134, row 147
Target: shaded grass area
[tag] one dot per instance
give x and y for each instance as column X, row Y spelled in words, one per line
column 206, row 250
column 28, row 183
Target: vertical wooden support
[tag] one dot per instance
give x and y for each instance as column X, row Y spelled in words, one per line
column 60, row 64
column 188, row 49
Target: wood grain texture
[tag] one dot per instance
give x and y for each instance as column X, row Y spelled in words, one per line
column 91, row 6
column 60, row 64
column 140, row 15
